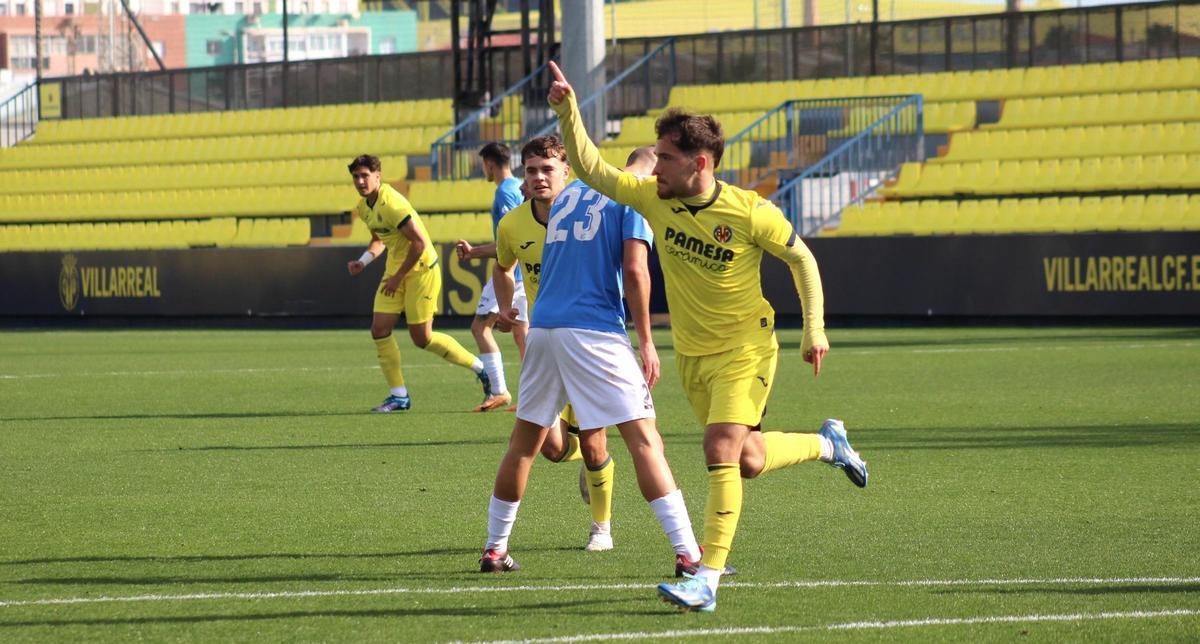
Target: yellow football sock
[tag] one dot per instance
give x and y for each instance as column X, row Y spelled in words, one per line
column 448, row 349
column 721, row 512
column 389, row 360
column 600, row 487
column 573, row 452
column 785, row 450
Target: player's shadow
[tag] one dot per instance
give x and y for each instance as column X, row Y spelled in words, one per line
column 175, row 579
column 962, row 438
column 197, row 416
column 1118, row 589
column 552, row 608
column 244, row 448
column 1016, row 338
column 466, row 551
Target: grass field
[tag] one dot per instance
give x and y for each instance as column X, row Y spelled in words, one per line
column 230, row 485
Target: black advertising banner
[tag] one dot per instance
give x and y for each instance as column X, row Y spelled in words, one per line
column 1123, row 274
column 212, row 282
column 1115, row 274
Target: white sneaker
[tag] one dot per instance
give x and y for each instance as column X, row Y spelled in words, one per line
column 600, row 539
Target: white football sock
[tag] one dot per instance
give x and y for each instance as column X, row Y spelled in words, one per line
column 400, row 391
column 501, row 516
column 495, row 371
column 672, row 514
column 477, row 366
column 826, row 449
column 711, row 576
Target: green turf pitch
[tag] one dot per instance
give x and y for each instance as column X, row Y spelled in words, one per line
column 230, row 485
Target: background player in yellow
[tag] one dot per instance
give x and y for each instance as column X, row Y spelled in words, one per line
column 411, row 284
column 710, row 238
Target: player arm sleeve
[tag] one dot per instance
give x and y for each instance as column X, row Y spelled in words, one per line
column 505, row 258
column 775, row 234
column 585, row 160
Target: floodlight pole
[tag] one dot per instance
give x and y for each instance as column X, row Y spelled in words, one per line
column 37, row 41
column 284, row 82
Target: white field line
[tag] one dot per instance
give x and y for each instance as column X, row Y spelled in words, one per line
column 509, row 363
column 858, row 626
column 458, row 590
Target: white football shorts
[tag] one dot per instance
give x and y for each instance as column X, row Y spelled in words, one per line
column 597, row 372
column 488, row 306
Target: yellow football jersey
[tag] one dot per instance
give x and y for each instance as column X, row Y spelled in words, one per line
column 390, row 213
column 710, row 251
column 520, row 238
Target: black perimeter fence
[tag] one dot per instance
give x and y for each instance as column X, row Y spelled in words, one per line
column 998, row 40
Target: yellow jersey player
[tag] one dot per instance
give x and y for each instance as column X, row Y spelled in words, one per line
column 711, row 237
column 411, row 284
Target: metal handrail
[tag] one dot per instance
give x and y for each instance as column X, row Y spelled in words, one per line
column 586, row 103
column 19, row 115
column 449, row 143
column 855, row 157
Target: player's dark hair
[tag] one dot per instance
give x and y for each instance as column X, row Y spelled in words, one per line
column 644, row 153
column 365, row 161
column 692, row 133
column 547, row 147
column 497, row 153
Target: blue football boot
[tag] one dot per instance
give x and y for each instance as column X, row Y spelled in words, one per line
column 844, row 456
column 394, row 403
column 689, row 594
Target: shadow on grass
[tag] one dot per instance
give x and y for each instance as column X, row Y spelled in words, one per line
column 301, row 556
column 165, row 580
column 241, row 415
column 951, row 338
column 240, row 448
column 968, row 438
column 1120, row 589
column 554, row 608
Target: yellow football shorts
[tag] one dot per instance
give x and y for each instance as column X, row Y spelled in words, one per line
column 731, row 386
column 418, row 297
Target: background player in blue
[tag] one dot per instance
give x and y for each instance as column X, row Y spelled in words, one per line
column 497, row 167
column 577, row 351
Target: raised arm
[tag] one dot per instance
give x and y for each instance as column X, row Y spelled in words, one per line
column 582, row 155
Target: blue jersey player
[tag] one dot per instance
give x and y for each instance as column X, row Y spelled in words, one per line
column 497, row 167
column 577, row 351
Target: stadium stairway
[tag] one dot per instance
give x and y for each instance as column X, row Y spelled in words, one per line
column 1067, row 138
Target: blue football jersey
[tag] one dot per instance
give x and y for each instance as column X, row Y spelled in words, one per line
column 581, row 285
column 508, row 196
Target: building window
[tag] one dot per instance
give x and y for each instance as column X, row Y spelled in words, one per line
column 86, row 44
column 3, row 10
column 239, row 8
column 197, row 7
column 69, row 8
column 214, row 47
column 160, row 48
column 387, row 45
column 20, row 10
